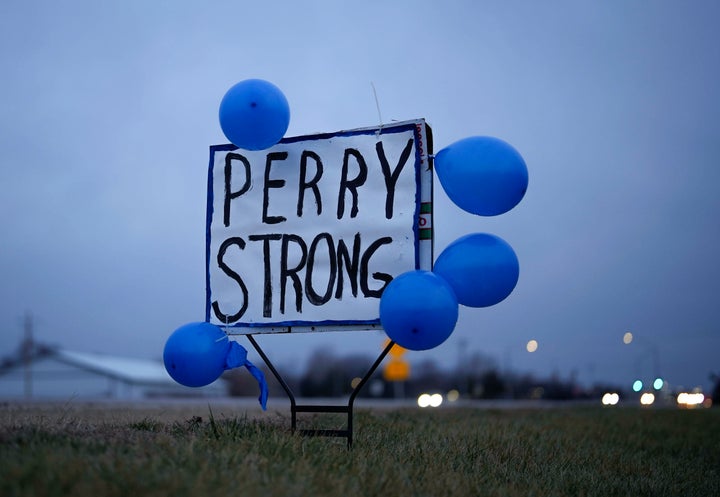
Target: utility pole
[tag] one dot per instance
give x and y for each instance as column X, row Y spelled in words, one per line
column 26, row 349
column 652, row 349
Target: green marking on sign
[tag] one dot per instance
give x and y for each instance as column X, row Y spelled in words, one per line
column 425, row 221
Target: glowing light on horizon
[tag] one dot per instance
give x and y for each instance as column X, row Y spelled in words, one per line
column 686, row 399
column 427, row 400
column 610, row 399
column 647, row 399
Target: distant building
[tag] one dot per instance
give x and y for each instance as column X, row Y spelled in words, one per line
column 48, row 373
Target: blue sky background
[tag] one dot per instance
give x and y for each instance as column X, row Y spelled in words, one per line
column 108, row 110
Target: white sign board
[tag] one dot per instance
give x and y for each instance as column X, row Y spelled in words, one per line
column 304, row 236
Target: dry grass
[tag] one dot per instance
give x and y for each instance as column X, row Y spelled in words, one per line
column 174, row 450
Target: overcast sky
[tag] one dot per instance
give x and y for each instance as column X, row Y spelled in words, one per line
column 108, row 110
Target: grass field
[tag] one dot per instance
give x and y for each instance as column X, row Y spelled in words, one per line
column 217, row 451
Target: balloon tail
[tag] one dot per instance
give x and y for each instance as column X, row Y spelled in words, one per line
column 260, row 377
column 236, row 356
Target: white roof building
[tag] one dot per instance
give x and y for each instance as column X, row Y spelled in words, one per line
column 55, row 374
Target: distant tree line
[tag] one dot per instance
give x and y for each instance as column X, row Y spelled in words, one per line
column 477, row 377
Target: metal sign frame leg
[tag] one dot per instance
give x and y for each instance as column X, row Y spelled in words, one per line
column 346, row 408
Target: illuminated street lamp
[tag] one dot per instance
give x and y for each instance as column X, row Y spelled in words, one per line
column 629, row 338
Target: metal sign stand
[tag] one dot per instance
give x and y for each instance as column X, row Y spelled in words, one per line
column 314, row 408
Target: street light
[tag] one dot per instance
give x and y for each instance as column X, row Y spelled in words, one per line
column 629, row 338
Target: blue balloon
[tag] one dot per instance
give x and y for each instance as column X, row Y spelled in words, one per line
column 195, row 354
column 254, row 114
column 418, row 310
column 482, row 269
column 482, row 175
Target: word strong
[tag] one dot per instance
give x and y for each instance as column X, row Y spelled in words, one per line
column 309, row 232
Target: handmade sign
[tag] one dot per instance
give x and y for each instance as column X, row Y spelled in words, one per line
column 334, row 231
column 305, row 235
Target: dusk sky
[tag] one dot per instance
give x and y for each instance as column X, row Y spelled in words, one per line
column 109, row 110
